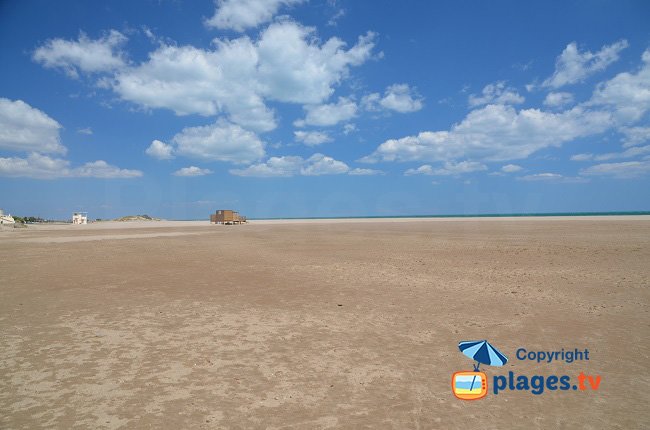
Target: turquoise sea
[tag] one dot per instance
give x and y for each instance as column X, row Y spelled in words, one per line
column 486, row 215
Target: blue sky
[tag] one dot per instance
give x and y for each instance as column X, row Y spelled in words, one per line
column 323, row 108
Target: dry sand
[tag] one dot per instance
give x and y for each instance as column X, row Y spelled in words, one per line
column 319, row 324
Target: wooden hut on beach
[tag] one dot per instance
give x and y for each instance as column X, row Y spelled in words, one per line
column 227, row 217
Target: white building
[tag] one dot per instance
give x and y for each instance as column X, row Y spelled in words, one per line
column 6, row 218
column 80, row 218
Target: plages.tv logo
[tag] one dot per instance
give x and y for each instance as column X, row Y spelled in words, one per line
column 473, row 385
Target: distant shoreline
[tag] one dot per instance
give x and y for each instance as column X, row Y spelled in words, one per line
column 204, row 223
column 489, row 215
column 162, row 228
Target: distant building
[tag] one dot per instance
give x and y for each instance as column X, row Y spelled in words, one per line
column 6, row 218
column 227, row 216
column 80, row 218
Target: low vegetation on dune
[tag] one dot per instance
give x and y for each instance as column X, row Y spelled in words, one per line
column 137, row 218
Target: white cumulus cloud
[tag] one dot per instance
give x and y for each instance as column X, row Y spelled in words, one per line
column 319, row 164
column 308, row 72
column 101, row 169
column 511, row 168
column 285, row 166
column 329, row 114
column 397, row 97
column 573, row 66
column 627, row 94
column 36, row 166
column 495, row 133
column 84, row 54
column 275, row 166
column 365, row 172
column 496, row 93
column 448, row 169
column 542, row 177
column 499, row 132
column 39, row 166
column 623, row 170
column 349, row 128
column 189, row 80
column 238, row 76
column 632, row 152
column 558, row 99
column 192, row 171
column 221, row 141
column 160, row 150
column 240, row 15
column 312, row 138
column 635, row 136
column 25, row 128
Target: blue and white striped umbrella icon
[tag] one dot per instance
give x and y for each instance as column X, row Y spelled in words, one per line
column 483, row 353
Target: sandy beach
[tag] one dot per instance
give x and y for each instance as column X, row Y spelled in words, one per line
column 320, row 323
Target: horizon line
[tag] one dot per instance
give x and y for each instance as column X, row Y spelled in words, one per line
column 476, row 215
